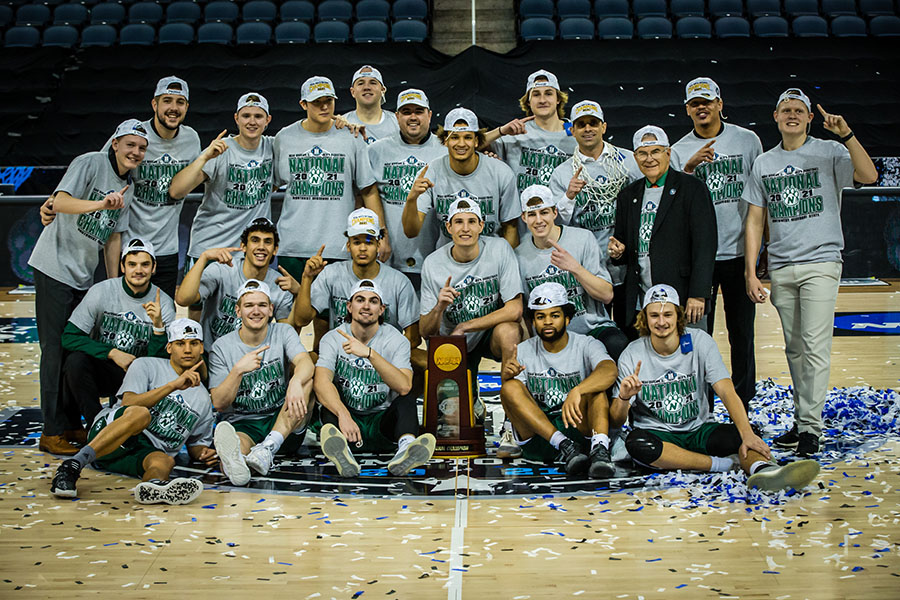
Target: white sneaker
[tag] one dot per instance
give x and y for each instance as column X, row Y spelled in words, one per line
column 508, row 447
column 335, row 448
column 417, row 453
column 181, row 490
column 260, row 459
column 228, row 447
column 796, row 475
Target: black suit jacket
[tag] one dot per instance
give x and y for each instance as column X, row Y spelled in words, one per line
column 683, row 242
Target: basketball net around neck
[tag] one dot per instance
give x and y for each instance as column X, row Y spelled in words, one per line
column 605, row 192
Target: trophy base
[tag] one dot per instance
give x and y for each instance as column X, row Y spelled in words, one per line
column 459, row 449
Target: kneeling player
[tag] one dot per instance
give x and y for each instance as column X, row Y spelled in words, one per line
column 663, row 381
column 363, row 379
column 164, row 406
column 554, row 388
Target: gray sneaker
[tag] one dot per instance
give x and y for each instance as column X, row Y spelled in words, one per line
column 335, row 448
column 181, row 490
column 417, row 453
column 260, row 459
column 508, row 447
column 228, row 447
column 795, row 475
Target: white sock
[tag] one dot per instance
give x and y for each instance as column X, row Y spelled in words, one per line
column 755, row 467
column 273, row 441
column 557, row 438
column 720, row 464
column 405, row 440
column 601, row 439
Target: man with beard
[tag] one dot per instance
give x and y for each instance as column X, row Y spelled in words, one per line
column 367, row 88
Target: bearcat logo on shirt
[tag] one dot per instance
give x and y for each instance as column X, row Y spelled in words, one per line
column 248, row 185
column 361, row 386
column 671, row 397
column 261, row 391
column 126, row 331
column 478, row 296
column 538, row 165
column 152, row 184
column 550, row 388
column 398, row 178
column 791, row 194
column 317, row 175
column 100, row 224
column 172, row 420
column 722, row 177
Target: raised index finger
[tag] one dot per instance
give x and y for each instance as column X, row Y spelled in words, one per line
column 637, row 369
column 578, row 172
column 448, row 281
column 157, row 295
column 197, row 366
column 422, row 172
column 343, row 333
column 321, row 250
column 526, row 119
column 556, row 245
column 221, row 135
column 709, row 143
column 822, row 110
column 261, row 349
column 125, row 189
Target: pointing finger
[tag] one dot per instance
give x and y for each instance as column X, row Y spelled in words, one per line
column 261, row 349
column 283, row 272
column 221, row 135
column 197, row 366
column 321, row 250
column 526, row 119
column 709, row 144
column 423, row 171
column 637, row 369
column 448, row 281
column 556, row 245
column 157, row 295
column 125, row 189
column 343, row 333
column 822, row 110
column 578, row 172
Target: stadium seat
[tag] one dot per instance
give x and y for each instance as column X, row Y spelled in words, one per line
column 654, row 28
column 297, row 10
column 98, row 36
column 176, row 33
column 567, row 9
column 732, row 27
column 533, row 9
column 876, row 8
column 108, row 13
column 32, row 15
column 137, row 34
column 611, row 8
column 697, row 28
column 687, row 8
column 726, row 8
column 576, row 28
column 801, row 8
column 410, row 9
column 846, row 26
column 70, row 14
column 809, row 26
column 331, row 32
column 615, row 28
column 150, row 13
column 22, row 36
column 373, row 10
column 648, row 8
column 409, row 30
column 537, row 28
column 764, row 8
column 61, row 36
column 292, row 32
column 6, row 16
column 770, row 27
column 183, row 12
column 215, row 33
column 336, row 10
column 253, row 34
column 370, row 31
column 885, row 26
column 220, row 12
column 259, row 10
column 838, row 8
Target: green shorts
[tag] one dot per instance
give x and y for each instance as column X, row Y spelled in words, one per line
column 695, row 441
column 538, row 449
column 373, row 440
column 127, row 459
column 256, row 429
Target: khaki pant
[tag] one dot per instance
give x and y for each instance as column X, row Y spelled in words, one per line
column 805, row 296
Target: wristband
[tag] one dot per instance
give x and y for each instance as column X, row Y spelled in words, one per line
column 847, row 137
column 159, row 330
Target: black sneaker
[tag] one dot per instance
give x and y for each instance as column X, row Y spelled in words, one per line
column 572, row 457
column 64, row 481
column 789, row 439
column 601, row 464
column 808, row 444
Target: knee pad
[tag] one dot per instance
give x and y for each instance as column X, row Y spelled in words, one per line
column 643, row 446
column 724, row 441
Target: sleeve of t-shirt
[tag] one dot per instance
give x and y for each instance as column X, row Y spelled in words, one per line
column 138, row 378
column 407, row 303
column 320, row 290
column 85, row 314
column 558, row 186
column 753, row 192
column 634, row 171
column 592, row 261
column 755, row 147
column 293, row 347
column 279, row 177
column 218, row 366
column 363, row 174
column 430, row 290
column 843, row 167
column 212, row 165
column 328, row 350
column 596, row 352
column 76, row 178
column 510, row 278
column 500, row 148
column 510, row 207
column 399, row 353
column 202, row 433
column 167, row 307
column 713, row 366
column 283, row 303
column 675, row 160
column 210, row 279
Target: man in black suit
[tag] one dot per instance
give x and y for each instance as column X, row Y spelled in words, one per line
column 665, row 230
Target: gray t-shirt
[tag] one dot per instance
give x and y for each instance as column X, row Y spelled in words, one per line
column 535, row 267
column 395, row 165
column 218, row 290
column 331, row 289
column 615, row 168
column 68, row 248
column 801, row 192
column 182, row 417
column 239, row 190
column 726, row 177
column 484, row 284
column 261, row 392
column 361, row 388
column 534, row 155
column 649, row 208
column 386, row 128
column 110, row 315
column 320, row 170
column 674, row 389
column 550, row 376
column 492, row 185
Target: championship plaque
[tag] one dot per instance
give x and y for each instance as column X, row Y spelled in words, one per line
column 449, row 412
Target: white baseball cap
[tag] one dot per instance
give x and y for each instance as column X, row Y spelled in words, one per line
column 253, row 99
column 661, row 293
column 254, row 285
column 547, row 78
column 316, row 87
column 794, row 94
column 138, row 245
column 464, row 205
column 541, row 192
column 412, row 96
column 548, row 295
column 367, row 71
column 661, row 139
column 701, row 87
column 131, row 127
column 461, row 114
column 173, row 86
column 184, row 329
column 586, row 108
column 363, row 221
column 365, row 285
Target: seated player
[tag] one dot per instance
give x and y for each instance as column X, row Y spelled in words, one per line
column 117, row 321
column 554, row 388
column 664, row 377
column 363, row 379
column 260, row 402
column 217, row 274
column 163, row 407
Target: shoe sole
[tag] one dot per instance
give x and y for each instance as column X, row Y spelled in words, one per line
column 228, row 447
column 335, row 448
column 255, row 465
column 786, row 444
column 64, row 493
column 579, row 464
column 181, row 490
column 71, row 452
column 599, row 470
column 417, row 453
column 506, row 453
column 796, row 475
